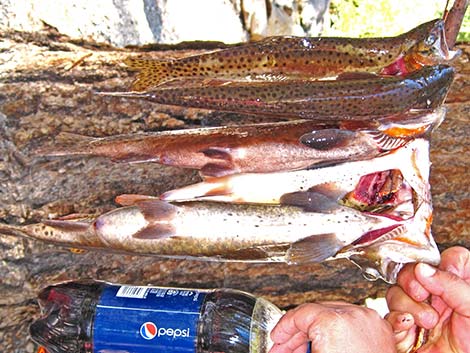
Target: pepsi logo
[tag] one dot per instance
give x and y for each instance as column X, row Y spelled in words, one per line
column 148, row 330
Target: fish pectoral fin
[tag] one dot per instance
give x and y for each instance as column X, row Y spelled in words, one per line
column 310, row 201
column 315, row 248
column 155, row 231
column 132, row 199
column 328, row 139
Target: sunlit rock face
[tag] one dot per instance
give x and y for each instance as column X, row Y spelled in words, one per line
column 127, row 22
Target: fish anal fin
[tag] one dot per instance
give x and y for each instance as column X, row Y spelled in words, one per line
column 132, row 199
column 315, row 248
column 328, row 139
column 156, row 231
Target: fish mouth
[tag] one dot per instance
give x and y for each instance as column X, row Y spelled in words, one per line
column 443, row 48
column 391, row 248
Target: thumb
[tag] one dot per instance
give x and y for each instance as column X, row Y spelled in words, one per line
column 453, row 290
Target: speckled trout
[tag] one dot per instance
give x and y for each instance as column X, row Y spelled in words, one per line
column 360, row 98
column 281, row 58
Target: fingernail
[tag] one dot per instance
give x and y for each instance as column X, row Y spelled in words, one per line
column 426, row 270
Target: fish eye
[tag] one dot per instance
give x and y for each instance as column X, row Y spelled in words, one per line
column 430, row 40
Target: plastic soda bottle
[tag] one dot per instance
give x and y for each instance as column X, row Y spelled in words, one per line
column 99, row 317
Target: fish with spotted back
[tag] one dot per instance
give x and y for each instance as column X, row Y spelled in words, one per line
column 362, row 98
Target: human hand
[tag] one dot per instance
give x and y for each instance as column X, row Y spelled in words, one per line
column 333, row 327
column 447, row 315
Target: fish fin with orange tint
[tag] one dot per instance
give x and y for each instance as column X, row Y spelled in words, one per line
column 132, row 199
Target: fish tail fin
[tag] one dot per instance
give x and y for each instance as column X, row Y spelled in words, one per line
column 217, row 189
column 67, row 144
column 17, row 231
column 315, row 248
column 151, row 72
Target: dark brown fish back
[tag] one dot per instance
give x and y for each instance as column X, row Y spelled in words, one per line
column 348, row 99
column 278, row 58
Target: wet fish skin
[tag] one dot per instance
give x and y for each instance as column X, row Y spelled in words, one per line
column 256, row 148
column 280, row 58
column 213, row 231
column 412, row 160
column 344, row 99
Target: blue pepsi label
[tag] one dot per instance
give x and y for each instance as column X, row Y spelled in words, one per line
column 133, row 319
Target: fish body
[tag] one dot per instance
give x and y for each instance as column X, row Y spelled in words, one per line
column 214, row 231
column 412, row 160
column 227, row 232
column 281, row 58
column 256, row 148
column 353, row 99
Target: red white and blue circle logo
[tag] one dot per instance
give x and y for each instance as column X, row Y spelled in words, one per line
column 148, row 330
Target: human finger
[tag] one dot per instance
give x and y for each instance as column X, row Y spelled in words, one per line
column 424, row 315
column 457, row 261
column 453, row 290
column 407, row 280
column 294, row 321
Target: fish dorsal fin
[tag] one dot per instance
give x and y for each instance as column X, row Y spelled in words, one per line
column 315, row 248
column 132, row 199
column 327, row 139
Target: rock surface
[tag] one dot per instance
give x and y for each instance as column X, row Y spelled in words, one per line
column 46, row 87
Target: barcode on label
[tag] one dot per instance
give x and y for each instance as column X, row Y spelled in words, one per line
column 132, row 292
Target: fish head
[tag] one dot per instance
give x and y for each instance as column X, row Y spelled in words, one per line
column 410, row 242
column 412, row 124
column 433, row 83
column 431, row 46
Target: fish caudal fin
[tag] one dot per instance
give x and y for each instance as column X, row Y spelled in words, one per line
column 159, row 215
column 152, row 73
column 68, row 144
column 315, row 248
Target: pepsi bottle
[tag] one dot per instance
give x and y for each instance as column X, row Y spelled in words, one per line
column 99, row 317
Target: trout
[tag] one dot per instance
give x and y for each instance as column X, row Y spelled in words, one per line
column 411, row 160
column 362, row 98
column 281, row 58
column 256, row 148
column 227, row 232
